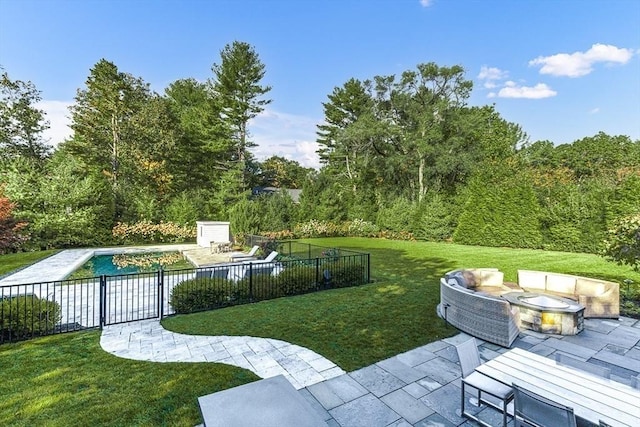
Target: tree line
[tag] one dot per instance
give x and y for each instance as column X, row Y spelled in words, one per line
column 404, row 153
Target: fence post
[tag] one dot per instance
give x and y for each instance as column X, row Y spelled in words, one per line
column 317, row 273
column 368, row 268
column 161, row 292
column 250, row 281
column 103, row 300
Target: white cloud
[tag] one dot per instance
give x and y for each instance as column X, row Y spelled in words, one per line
column 594, row 110
column 57, row 113
column 426, row 3
column 491, row 95
column 287, row 135
column 492, row 73
column 579, row 64
column 539, row 91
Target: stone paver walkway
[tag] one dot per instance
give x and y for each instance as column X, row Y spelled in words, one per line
column 148, row 340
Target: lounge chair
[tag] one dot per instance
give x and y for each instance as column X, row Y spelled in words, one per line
column 211, row 273
column 247, row 256
column 272, row 256
column 261, row 266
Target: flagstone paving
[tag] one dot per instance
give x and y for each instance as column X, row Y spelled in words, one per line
column 148, row 340
column 420, row 387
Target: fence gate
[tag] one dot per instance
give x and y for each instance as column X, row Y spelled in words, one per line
column 131, row 297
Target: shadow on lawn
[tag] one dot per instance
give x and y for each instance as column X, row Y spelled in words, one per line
column 393, row 264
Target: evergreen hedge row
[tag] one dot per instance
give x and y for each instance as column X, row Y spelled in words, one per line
column 211, row 293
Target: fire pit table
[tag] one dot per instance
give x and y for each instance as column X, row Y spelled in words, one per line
column 547, row 313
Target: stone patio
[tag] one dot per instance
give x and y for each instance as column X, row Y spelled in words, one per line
column 422, row 386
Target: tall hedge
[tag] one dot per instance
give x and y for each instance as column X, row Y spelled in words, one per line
column 501, row 209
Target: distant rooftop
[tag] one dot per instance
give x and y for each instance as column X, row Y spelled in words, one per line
column 294, row 193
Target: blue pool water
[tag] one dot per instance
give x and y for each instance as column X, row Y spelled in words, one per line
column 103, row 264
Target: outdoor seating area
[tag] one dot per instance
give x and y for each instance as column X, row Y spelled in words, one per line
column 544, row 381
column 479, row 302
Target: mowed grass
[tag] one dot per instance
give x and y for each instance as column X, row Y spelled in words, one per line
column 355, row 327
column 11, row 262
column 68, row 380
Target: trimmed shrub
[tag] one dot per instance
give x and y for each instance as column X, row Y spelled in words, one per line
column 27, row 316
column 344, row 276
column 207, row 294
column 203, row 294
column 259, row 287
column 297, row 280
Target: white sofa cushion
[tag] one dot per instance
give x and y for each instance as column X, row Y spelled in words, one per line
column 561, row 283
column 532, row 280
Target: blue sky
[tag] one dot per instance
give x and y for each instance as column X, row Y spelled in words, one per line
column 563, row 70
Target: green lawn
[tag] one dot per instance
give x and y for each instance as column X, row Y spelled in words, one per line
column 10, row 262
column 68, row 380
column 355, row 327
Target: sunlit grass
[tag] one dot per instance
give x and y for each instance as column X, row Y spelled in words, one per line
column 68, row 380
column 11, row 262
column 355, row 327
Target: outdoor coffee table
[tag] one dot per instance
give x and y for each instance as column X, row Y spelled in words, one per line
column 547, row 313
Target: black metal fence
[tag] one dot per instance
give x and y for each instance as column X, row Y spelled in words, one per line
column 36, row 309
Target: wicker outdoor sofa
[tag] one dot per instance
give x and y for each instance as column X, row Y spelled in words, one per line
column 470, row 299
column 469, row 302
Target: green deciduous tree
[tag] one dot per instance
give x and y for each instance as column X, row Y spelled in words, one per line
column 126, row 133
column 279, row 172
column 623, row 241
column 21, row 123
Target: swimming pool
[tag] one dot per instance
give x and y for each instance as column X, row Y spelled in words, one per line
column 116, row 264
